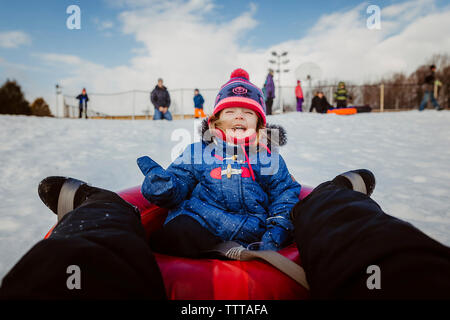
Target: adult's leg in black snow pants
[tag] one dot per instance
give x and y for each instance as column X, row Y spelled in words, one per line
column 105, row 239
column 343, row 237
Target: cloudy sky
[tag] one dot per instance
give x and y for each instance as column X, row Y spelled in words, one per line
column 127, row 44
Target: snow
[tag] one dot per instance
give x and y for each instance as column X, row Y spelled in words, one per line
column 409, row 152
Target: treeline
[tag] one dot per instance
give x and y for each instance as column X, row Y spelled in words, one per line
column 406, row 91
column 401, row 90
column 12, row 101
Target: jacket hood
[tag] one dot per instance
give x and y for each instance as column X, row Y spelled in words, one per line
column 282, row 134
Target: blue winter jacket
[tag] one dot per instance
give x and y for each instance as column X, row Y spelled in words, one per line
column 198, row 101
column 213, row 183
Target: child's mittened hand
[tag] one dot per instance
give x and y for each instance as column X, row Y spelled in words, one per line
column 146, row 164
column 269, row 246
column 273, row 238
column 157, row 181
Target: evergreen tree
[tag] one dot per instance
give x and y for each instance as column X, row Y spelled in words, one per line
column 12, row 99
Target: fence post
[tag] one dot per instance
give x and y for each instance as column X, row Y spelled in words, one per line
column 57, row 104
column 134, row 93
column 382, row 97
column 181, row 104
column 331, row 95
column 435, row 90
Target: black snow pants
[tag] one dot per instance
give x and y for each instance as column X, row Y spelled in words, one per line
column 184, row 237
column 102, row 242
column 341, row 103
column 351, row 249
column 269, row 104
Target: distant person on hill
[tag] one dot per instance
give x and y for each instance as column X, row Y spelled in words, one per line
column 341, row 95
column 299, row 96
column 198, row 104
column 320, row 103
column 161, row 101
column 269, row 92
column 83, row 100
column 428, row 86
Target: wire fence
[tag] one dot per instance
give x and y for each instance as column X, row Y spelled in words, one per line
column 136, row 103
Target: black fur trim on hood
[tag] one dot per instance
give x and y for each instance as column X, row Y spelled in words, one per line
column 282, row 134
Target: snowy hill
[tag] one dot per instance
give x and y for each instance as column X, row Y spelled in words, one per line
column 409, row 152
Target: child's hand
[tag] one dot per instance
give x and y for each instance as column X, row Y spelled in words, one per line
column 274, row 238
column 146, row 165
column 166, row 188
column 269, row 246
column 157, row 182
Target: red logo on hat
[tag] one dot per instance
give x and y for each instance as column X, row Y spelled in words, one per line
column 239, row 90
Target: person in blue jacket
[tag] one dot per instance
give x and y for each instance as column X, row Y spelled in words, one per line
column 231, row 185
column 198, row 104
column 83, row 100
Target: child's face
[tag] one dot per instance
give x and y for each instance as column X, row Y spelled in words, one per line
column 238, row 122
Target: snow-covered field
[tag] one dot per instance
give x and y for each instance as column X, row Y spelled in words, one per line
column 409, row 152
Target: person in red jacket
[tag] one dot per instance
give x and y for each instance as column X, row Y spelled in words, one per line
column 299, row 96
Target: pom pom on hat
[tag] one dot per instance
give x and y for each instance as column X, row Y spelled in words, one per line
column 240, row 73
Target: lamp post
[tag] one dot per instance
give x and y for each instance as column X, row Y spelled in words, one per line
column 278, row 63
column 58, row 92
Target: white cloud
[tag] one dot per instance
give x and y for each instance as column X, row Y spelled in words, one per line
column 177, row 42
column 56, row 59
column 181, row 42
column 344, row 48
column 132, row 3
column 14, row 39
column 103, row 24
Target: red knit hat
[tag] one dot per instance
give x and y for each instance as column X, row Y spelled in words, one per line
column 240, row 92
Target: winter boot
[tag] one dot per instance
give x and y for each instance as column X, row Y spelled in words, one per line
column 361, row 180
column 63, row 194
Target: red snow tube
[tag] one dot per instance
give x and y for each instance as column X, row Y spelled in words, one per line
column 213, row 279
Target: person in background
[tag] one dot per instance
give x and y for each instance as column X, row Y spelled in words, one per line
column 320, row 103
column 160, row 98
column 428, row 86
column 299, row 96
column 83, row 98
column 341, row 95
column 198, row 104
column 269, row 92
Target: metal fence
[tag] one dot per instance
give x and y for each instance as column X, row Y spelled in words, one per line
column 379, row 97
column 137, row 102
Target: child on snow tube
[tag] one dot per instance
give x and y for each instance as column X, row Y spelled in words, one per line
column 233, row 185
